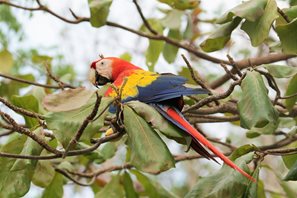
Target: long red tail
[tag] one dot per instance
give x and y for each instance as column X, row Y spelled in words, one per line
column 186, row 125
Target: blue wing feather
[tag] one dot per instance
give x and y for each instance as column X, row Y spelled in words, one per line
column 163, row 88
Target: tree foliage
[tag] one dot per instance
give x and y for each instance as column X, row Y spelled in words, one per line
column 55, row 135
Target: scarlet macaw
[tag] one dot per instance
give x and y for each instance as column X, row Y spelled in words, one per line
column 162, row 91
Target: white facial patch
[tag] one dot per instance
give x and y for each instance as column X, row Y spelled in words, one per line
column 92, row 76
column 104, row 68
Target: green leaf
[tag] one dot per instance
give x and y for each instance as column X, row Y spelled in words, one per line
column 99, row 10
column 289, row 160
column 218, row 39
column 243, row 150
column 17, row 174
column 10, row 88
column 258, row 30
column 181, row 4
column 107, row 151
column 173, row 19
column 291, row 89
column 126, row 56
column 151, row 189
column 287, row 37
column 65, row 124
column 8, row 18
column 128, row 186
column 67, row 100
column 188, row 33
column 252, row 134
column 55, row 189
column 153, row 52
column 148, row 151
column 255, row 189
column 187, row 74
column 292, row 174
column 44, row 174
column 289, row 192
column 290, row 12
column 255, row 108
column 157, row 121
column 250, row 10
column 6, row 61
column 7, row 181
column 28, row 102
column 281, row 71
column 155, row 47
column 40, row 59
column 170, row 51
column 225, row 183
column 267, row 129
column 113, row 189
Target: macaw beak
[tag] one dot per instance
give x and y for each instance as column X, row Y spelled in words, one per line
column 100, row 80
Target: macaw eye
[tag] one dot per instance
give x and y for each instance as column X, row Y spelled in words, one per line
column 102, row 63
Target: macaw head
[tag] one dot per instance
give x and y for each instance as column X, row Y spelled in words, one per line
column 105, row 70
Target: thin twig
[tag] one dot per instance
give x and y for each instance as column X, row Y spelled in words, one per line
column 65, row 173
column 233, row 63
column 60, row 83
column 29, row 82
column 283, row 15
column 195, row 76
column 195, row 118
column 209, row 99
column 102, row 112
column 28, row 133
column 21, row 110
column 272, row 83
column 6, row 133
column 83, row 126
column 281, row 143
column 229, row 72
column 270, row 58
column 288, row 96
column 145, row 22
column 177, row 158
column 70, row 153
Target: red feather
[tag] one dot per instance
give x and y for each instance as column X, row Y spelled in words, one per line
column 185, row 124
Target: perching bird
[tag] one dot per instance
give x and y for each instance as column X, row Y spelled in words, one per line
column 162, row 91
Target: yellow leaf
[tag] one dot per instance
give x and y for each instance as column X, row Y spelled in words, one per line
column 6, row 61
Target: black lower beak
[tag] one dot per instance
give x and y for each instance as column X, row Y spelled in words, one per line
column 101, row 80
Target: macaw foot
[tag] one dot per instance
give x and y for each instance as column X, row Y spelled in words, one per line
column 109, row 132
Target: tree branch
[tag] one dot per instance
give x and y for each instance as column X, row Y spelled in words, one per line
column 240, row 64
column 30, row 82
column 145, row 22
column 28, row 133
column 209, row 99
column 251, row 62
column 83, row 126
column 21, row 110
column 70, row 153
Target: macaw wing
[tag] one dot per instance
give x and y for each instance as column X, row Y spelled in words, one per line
column 160, row 88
